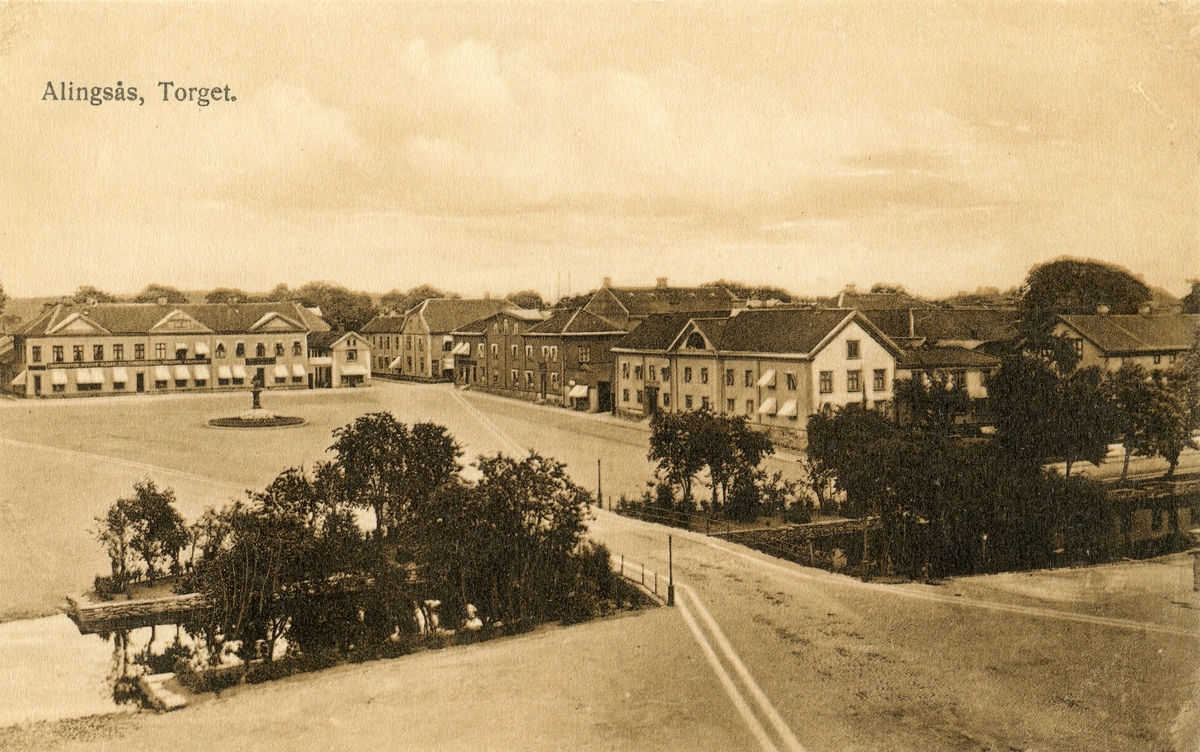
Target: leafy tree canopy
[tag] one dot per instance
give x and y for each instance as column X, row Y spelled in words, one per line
column 403, row 301
column 759, row 292
column 87, row 294
column 153, row 292
column 230, row 295
column 1191, row 301
column 530, row 299
column 344, row 309
column 1073, row 286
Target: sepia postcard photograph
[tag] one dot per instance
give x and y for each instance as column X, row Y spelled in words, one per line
column 628, row 375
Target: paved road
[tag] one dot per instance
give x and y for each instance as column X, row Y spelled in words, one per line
column 805, row 659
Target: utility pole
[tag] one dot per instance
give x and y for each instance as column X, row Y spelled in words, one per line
column 599, row 487
column 670, row 573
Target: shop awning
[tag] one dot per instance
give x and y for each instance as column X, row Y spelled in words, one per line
column 120, row 375
column 58, row 376
column 298, row 370
column 577, row 391
column 182, row 373
column 202, row 348
column 223, row 372
column 281, row 371
column 97, row 375
column 462, row 348
column 20, row 379
column 767, row 379
column 395, row 362
column 239, row 372
column 88, row 376
column 201, row 373
column 354, row 369
column 788, row 410
column 767, row 407
column 162, row 373
column 180, row 346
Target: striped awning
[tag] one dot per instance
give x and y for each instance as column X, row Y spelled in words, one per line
column 577, row 391
column 182, row 373
column 201, row 373
column 89, row 376
column 767, row 379
column 462, row 348
column 162, row 373
column 58, row 376
column 788, row 410
column 239, row 372
column 223, row 372
column 298, row 370
column 202, row 348
column 395, row 362
column 281, row 371
column 767, row 407
column 120, row 375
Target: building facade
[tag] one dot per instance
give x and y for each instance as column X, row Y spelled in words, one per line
column 1155, row 341
column 385, row 335
column 574, row 348
column 427, row 336
column 494, row 355
column 76, row 350
column 773, row 366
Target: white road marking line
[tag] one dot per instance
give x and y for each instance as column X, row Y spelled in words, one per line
column 490, row 425
column 764, row 704
column 76, row 454
column 731, row 689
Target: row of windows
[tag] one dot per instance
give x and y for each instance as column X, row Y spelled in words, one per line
column 549, row 352
column 120, row 386
column 58, row 352
column 639, row 372
column 854, row 382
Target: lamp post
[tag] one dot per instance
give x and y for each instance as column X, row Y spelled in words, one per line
column 670, row 573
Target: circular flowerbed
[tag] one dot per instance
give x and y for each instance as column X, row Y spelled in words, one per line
column 274, row 421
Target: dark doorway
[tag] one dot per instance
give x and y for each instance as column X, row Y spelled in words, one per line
column 141, row 382
column 604, row 401
column 37, row 386
column 651, row 400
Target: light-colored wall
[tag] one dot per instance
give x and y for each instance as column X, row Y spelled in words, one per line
column 833, row 358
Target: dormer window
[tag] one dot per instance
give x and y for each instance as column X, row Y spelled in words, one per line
column 239, row 350
column 260, row 350
column 220, row 349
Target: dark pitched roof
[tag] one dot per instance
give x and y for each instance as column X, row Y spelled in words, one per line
column 324, row 340
column 479, row 325
column 793, row 331
column 642, row 301
column 384, row 325
column 945, row 357
column 447, row 314
column 139, row 318
column 1135, row 333
column 575, row 321
column 656, row 332
column 938, row 324
column 874, row 301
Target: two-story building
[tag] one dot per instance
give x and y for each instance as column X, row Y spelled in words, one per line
column 385, row 333
column 573, row 355
column 427, row 336
column 628, row 306
column 493, row 355
column 776, row 366
column 339, row 359
column 134, row 348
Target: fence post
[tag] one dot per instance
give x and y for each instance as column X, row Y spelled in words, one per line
column 656, row 583
column 670, row 572
column 622, row 565
column 643, row 573
column 599, row 488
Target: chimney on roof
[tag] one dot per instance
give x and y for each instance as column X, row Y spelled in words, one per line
column 162, row 301
column 912, row 325
column 851, row 288
column 607, row 282
column 660, row 283
column 1144, row 309
column 1102, row 310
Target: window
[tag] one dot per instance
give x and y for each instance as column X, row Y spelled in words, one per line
column 181, row 354
column 495, row 351
column 35, row 353
column 98, row 352
column 1077, row 347
column 639, row 372
column 545, row 351
column 118, row 386
column 625, row 370
column 729, row 379
column 239, row 350
column 653, row 373
column 281, row 379
column 695, row 341
column 278, row 349
column 200, row 382
column 118, row 352
column 408, row 361
column 553, row 352
column 1157, row 359
column 160, row 351
column 687, row 375
column 57, row 350
column 666, row 373
column 481, row 351
column 666, row 400
column 88, row 387
column 529, row 378
column 958, row 379
column 791, row 382
column 506, row 326
column 554, row 379
column 352, row 355
column 624, row 395
column 447, row 345
column 853, row 381
column 687, row 401
column 496, row 377
column 826, row 383
column 730, row 405
column 748, row 378
column 421, row 343
column 639, row 396
column 852, row 349
column 704, row 403
column 515, row 378
column 63, row 387
column 297, row 348
column 139, row 352
column 585, row 354
column 180, row 383
column 513, row 350
column 408, row 342
column 749, row 407
column 529, row 351
column 260, row 350
column 879, row 383
column 297, row 379
column 703, row 375
column 77, row 353
column 220, row 349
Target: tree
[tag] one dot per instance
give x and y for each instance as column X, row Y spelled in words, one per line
column 1084, row 418
column 1025, row 399
column 3, row 299
column 675, row 444
column 88, row 294
column 1138, row 405
column 278, row 294
column 732, row 451
column 370, row 464
column 757, row 292
column 530, row 299
column 345, row 310
column 1191, row 301
column 1169, row 424
column 230, row 295
column 402, row 302
column 1073, row 286
column 153, row 292
column 113, row 533
column 930, row 402
column 837, row 446
column 158, row 533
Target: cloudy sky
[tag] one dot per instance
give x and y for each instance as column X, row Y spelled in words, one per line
column 493, row 147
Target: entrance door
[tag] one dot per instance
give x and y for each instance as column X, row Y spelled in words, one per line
column 604, row 401
column 141, row 382
column 651, row 400
column 37, row 385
